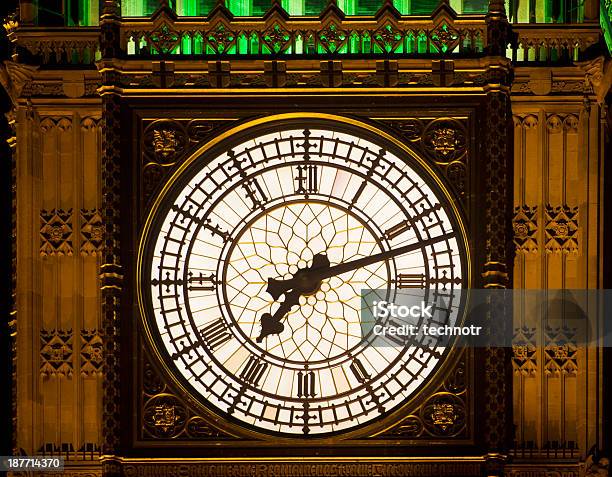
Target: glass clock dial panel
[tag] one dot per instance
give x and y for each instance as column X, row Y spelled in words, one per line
column 245, row 290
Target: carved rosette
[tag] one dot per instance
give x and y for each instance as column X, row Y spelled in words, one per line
column 524, row 360
column 561, row 229
column 525, row 227
column 92, row 232
column 164, row 416
column 560, row 352
column 444, row 415
column 56, row 353
column 91, row 353
column 445, row 141
column 55, row 232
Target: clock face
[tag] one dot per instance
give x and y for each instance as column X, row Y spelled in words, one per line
column 254, row 266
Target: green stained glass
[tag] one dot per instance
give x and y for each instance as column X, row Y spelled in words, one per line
column 368, row 7
column 314, row 7
column 605, row 18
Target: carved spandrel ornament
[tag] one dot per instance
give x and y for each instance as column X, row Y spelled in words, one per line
column 56, row 232
column 166, row 416
column 165, row 142
column 442, row 140
column 561, row 229
column 56, row 353
column 442, row 415
column 525, row 228
column 445, row 140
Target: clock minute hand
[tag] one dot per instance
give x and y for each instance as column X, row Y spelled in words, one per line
column 341, row 268
column 307, row 277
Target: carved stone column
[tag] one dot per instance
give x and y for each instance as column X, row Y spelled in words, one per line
column 111, row 271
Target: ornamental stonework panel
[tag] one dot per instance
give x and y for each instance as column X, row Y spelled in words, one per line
column 167, row 416
column 524, row 359
column 55, row 232
column 56, row 353
column 561, row 229
column 166, row 142
column 91, row 353
column 444, row 141
column 525, row 227
column 92, row 232
column 560, row 352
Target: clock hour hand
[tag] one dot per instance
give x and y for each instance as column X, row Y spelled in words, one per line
column 271, row 324
column 302, row 279
column 293, row 288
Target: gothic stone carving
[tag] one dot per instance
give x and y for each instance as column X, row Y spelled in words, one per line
column 166, row 416
column 560, row 352
column 525, row 227
column 92, row 232
column 56, row 353
column 561, row 229
column 91, row 353
column 445, row 141
column 524, row 361
column 56, row 232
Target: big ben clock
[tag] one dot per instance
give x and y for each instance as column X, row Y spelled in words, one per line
column 254, row 260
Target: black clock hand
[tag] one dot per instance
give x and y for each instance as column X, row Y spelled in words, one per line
column 309, row 278
column 270, row 324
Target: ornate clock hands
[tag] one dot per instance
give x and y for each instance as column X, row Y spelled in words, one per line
column 306, row 281
column 302, row 284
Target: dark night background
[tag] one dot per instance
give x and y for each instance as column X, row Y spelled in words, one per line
column 6, row 427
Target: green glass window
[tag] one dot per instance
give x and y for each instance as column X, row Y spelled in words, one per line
column 423, row 7
column 68, row 12
column 545, row 11
column 475, row 6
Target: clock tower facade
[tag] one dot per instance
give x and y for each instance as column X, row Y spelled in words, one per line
column 203, row 192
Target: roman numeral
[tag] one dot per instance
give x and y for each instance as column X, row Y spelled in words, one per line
column 186, row 350
column 306, row 384
column 410, row 280
column 206, row 223
column 307, row 179
column 255, row 193
column 253, row 371
column 206, row 283
column 398, row 229
column 164, row 282
column 425, row 212
column 361, row 374
column 215, row 334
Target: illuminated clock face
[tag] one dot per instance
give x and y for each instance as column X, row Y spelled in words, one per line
column 254, row 265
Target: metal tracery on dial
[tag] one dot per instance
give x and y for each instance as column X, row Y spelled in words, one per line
column 256, row 266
